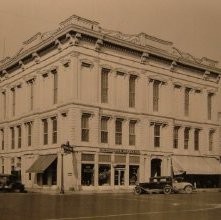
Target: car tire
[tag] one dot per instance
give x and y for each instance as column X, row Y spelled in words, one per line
column 137, row 190
column 188, row 189
column 167, row 190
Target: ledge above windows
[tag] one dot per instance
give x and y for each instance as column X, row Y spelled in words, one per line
column 153, row 78
column 86, row 63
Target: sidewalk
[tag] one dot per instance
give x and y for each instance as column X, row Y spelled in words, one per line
column 114, row 191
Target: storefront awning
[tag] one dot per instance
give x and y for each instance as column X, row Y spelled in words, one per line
column 42, row 163
column 196, row 165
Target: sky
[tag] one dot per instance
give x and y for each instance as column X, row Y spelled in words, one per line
column 194, row 26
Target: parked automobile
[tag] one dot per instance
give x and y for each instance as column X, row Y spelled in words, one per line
column 10, row 183
column 164, row 184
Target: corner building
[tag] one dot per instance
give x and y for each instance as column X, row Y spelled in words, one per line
column 132, row 106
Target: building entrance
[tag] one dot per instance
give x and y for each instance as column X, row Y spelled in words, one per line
column 119, row 174
column 156, row 167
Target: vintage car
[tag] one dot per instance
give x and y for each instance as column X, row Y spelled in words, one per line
column 164, row 184
column 10, row 183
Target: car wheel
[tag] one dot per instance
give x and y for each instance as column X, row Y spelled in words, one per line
column 137, row 190
column 167, row 190
column 188, row 189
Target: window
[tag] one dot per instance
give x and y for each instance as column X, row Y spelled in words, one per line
column 187, row 101
column 209, row 105
column 12, row 164
column 211, row 135
column 31, row 94
column 3, row 167
column 104, row 130
column 87, row 174
column 4, row 104
column 45, row 131
column 85, row 127
column 29, row 133
column 12, row 138
column 104, row 85
column 132, row 136
column 54, row 130
column 55, row 86
column 13, row 101
column 118, row 131
column 19, row 136
column 104, row 174
column 175, row 136
column 132, row 81
column 196, row 139
column 133, row 174
column 156, row 135
column 156, row 85
column 2, row 139
column 186, row 137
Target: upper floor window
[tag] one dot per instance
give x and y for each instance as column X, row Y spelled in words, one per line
column 132, row 133
column 12, row 138
column 29, row 133
column 186, row 137
column 31, row 91
column 196, row 139
column 19, row 136
column 175, row 137
column 156, row 96
column 118, row 131
column 2, row 139
column 13, row 101
column 54, row 130
column 55, row 86
column 104, row 85
column 156, row 135
column 187, row 101
column 85, row 127
column 4, row 104
column 211, row 136
column 132, row 81
column 104, row 130
column 45, row 131
column 209, row 105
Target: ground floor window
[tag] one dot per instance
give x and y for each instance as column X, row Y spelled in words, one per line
column 87, row 174
column 49, row 176
column 133, row 174
column 104, row 174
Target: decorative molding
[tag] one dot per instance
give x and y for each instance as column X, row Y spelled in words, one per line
column 86, row 63
column 66, row 62
column 21, row 64
column 153, row 78
column 173, row 66
column 144, row 58
column 36, row 57
column 158, row 122
column 59, row 45
column 99, row 43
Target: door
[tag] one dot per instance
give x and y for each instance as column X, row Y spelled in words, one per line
column 119, row 177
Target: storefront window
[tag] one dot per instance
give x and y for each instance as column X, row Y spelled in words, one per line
column 104, row 176
column 133, row 174
column 87, row 174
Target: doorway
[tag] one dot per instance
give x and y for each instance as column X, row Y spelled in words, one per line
column 119, row 174
column 156, row 167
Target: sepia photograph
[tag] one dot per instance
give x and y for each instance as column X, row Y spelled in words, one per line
column 110, row 109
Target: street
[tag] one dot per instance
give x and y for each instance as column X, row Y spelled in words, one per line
column 34, row 206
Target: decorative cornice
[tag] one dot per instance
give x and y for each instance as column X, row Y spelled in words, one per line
column 139, row 42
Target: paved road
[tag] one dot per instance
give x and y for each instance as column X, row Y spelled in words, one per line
column 109, row 206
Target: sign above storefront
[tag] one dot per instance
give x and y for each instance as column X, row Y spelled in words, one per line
column 119, row 151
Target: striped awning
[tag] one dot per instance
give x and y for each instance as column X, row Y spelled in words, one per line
column 196, row 165
column 42, row 163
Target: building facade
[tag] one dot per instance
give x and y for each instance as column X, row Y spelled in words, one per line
column 131, row 106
